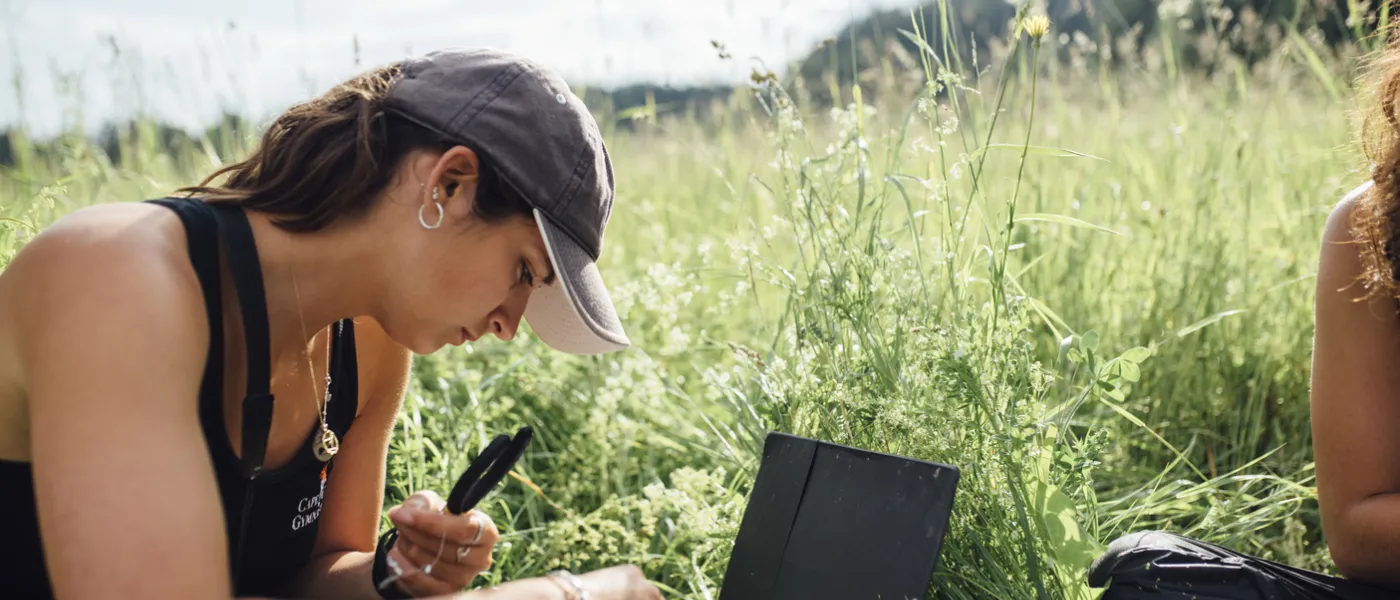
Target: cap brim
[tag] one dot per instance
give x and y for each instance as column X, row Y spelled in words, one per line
column 574, row 315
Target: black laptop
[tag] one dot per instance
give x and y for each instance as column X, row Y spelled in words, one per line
column 830, row 521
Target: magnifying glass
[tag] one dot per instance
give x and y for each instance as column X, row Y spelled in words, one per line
column 487, row 471
column 483, row 475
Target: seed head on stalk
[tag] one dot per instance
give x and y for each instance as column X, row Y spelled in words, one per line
column 1037, row 27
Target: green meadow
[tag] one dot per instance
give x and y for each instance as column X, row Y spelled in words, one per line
column 1090, row 291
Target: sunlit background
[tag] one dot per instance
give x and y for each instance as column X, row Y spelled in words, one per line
column 1081, row 268
column 185, row 62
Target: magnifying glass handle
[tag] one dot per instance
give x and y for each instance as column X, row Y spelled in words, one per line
column 469, row 478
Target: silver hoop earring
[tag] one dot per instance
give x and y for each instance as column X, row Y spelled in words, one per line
column 423, row 221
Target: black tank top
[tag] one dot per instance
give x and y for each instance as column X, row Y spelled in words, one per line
column 271, row 516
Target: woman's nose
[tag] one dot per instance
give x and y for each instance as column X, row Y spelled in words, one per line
column 504, row 326
column 505, row 320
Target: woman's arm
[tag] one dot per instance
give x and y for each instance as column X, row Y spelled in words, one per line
column 354, row 497
column 354, row 493
column 347, row 563
column 1356, row 411
column 536, row 588
column 112, row 335
column 355, row 490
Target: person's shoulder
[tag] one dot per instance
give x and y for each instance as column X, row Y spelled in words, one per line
column 1340, row 239
column 112, row 347
column 107, row 234
column 123, row 259
column 1342, row 216
column 1347, row 256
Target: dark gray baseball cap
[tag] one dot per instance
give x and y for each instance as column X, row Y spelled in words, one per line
column 545, row 143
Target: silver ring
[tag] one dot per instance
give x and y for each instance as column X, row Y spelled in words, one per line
column 463, row 551
column 480, row 528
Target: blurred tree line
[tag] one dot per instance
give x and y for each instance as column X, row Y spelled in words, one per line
column 1201, row 35
column 877, row 51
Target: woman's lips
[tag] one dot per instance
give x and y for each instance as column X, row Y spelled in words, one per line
column 466, row 337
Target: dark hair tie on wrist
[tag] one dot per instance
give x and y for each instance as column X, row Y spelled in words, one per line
column 380, row 572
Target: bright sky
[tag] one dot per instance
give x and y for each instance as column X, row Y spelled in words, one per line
column 187, row 59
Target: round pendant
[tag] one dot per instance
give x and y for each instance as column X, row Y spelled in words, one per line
column 327, row 445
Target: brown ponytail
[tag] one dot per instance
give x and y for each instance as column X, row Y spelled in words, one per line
column 328, row 158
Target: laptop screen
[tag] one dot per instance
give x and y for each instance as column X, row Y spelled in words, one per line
column 829, row 521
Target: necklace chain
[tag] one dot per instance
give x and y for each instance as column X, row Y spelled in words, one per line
column 326, row 444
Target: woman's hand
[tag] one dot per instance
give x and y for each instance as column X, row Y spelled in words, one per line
column 623, row 582
column 439, row 553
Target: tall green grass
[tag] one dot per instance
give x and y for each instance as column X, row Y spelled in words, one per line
column 1092, row 295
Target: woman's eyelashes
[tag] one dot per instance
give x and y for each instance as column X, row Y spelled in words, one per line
column 526, row 277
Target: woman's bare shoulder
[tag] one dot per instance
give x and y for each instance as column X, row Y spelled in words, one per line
column 113, row 331
column 102, row 234
column 1340, row 257
column 124, row 260
column 126, row 235
column 1339, row 221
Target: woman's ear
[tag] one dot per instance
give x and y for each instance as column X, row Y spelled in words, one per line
column 459, row 169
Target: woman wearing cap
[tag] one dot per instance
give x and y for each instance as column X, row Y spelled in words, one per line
column 197, row 393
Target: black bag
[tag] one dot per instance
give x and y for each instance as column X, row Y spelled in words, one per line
column 1157, row 565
